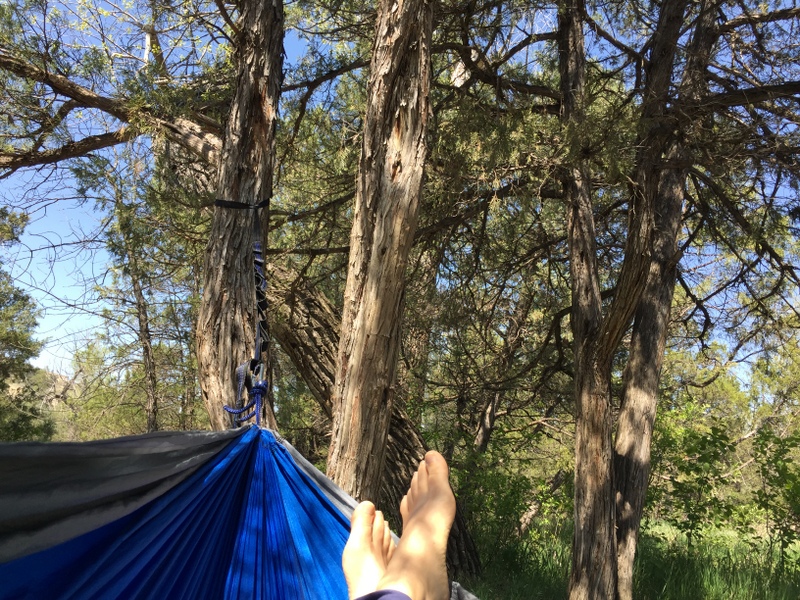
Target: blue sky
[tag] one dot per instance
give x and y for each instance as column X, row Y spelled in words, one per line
column 54, row 265
column 60, row 257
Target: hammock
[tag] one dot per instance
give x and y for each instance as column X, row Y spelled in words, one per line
column 233, row 514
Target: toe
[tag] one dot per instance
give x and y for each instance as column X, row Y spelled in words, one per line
column 378, row 525
column 362, row 520
column 387, row 539
column 422, row 480
column 436, row 465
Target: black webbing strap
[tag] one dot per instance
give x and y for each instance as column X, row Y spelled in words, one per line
column 240, row 205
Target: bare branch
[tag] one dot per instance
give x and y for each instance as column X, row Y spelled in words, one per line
column 530, row 39
column 313, row 84
column 748, row 19
column 227, row 17
column 16, row 161
column 624, row 48
column 754, row 95
column 746, row 226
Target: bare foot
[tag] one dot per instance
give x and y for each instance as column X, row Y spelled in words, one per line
column 367, row 551
column 417, row 567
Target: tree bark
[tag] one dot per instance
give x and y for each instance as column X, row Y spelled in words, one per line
column 306, row 326
column 227, row 317
column 665, row 181
column 593, row 573
column 384, row 221
column 145, row 339
column 640, row 383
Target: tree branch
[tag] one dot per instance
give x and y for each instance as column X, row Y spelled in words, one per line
column 746, row 226
column 15, row 161
column 530, row 39
column 753, row 95
column 312, row 84
column 498, row 81
column 50, row 125
column 603, row 34
column 188, row 134
column 191, row 136
column 62, row 85
column 227, row 17
column 750, row 19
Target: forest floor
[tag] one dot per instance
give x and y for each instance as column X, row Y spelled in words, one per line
column 721, row 566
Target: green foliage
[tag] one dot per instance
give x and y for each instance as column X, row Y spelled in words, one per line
column 697, row 480
column 520, row 517
column 727, row 457
column 494, row 505
column 17, row 324
column 107, row 402
column 721, row 566
column 543, row 574
column 11, row 225
column 23, row 416
column 520, row 530
column 17, row 310
column 779, row 494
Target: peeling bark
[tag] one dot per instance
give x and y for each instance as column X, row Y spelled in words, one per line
column 593, row 573
column 226, row 324
column 307, row 328
column 384, row 221
column 663, row 182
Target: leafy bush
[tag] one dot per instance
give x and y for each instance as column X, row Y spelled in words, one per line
column 779, row 494
column 22, row 417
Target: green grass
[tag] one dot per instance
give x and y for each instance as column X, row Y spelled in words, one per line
column 719, row 567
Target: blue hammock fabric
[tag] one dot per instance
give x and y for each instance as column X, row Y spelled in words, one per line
column 248, row 522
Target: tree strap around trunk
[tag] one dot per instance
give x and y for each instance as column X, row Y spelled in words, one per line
column 254, row 375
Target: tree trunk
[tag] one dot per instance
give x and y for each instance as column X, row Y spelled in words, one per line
column 514, row 338
column 596, row 337
column 593, row 572
column 142, row 317
column 384, row 221
column 593, row 545
column 226, row 324
column 306, row 327
column 666, row 182
column 594, row 562
column 145, row 339
column 640, row 382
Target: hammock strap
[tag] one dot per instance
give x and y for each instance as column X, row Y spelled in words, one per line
column 254, row 375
